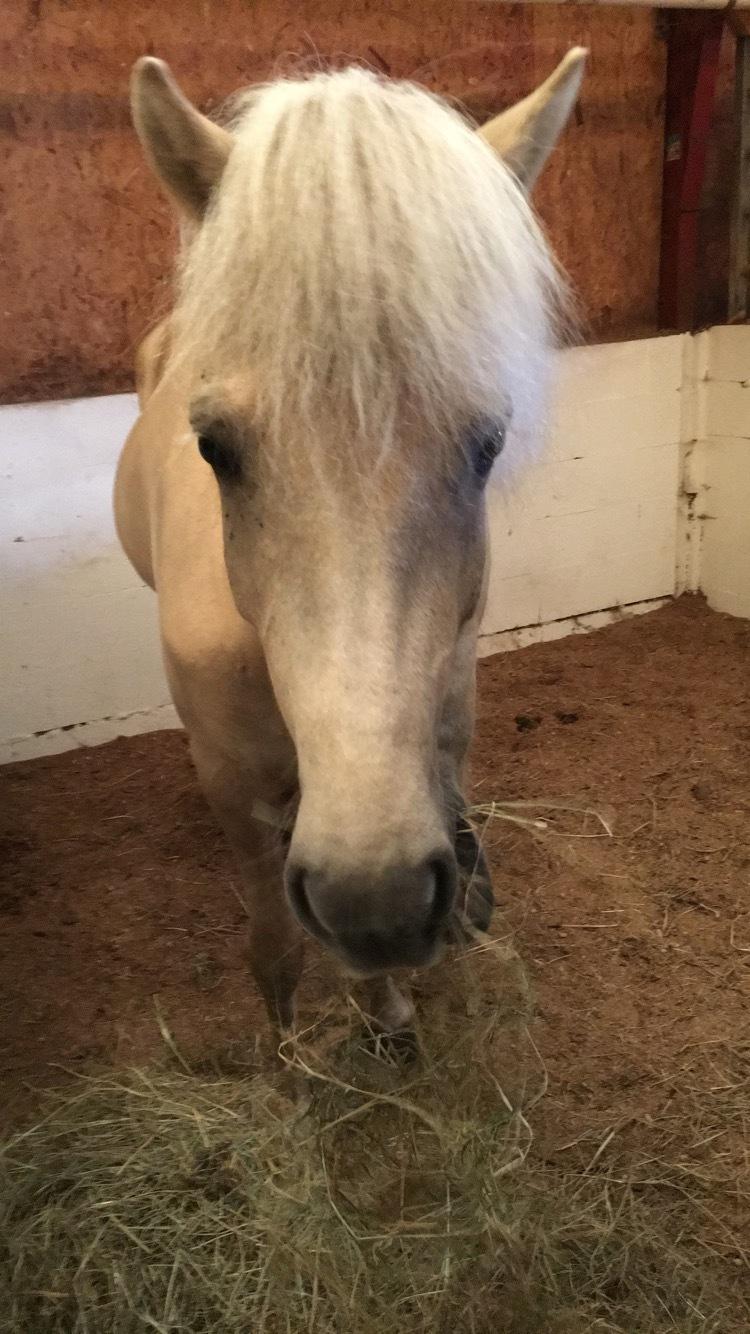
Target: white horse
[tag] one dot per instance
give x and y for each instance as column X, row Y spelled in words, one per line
column 365, row 305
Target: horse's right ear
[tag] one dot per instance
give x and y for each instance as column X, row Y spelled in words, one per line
column 186, row 150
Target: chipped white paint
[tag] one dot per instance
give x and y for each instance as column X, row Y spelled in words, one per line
column 58, row 739
column 692, row 457
column 723, row 510
column 524, row 635
column 643, row 492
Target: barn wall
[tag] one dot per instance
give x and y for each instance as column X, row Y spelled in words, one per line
column 79, row 642
column 87, row 239
column 722, row 501
column 602, row 523
column 594, row 525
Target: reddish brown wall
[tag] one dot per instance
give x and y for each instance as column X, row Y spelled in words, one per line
column 86, row 235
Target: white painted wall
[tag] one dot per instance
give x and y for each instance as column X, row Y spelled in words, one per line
column 594, row 524
column 722, row 506
column 78, row 642
column 600, row 523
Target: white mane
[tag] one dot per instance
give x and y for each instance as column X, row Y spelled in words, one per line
column 368, row 253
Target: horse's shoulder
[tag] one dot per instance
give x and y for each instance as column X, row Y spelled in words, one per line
column 214, row 659
column 201, row 626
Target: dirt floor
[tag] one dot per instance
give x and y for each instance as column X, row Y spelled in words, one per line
column 119, row 901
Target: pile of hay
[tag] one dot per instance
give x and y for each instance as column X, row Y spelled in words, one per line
column 402, row 1198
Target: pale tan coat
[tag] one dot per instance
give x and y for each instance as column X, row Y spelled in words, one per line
column 219, row 650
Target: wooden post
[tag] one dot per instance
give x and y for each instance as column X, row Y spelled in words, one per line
column 739, row 246
column 694, row 38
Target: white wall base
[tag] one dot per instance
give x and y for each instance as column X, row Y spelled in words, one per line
column 505, row 641
column 642, row 492
column 95, row 733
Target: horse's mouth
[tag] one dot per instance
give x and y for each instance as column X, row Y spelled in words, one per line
column 374, row 956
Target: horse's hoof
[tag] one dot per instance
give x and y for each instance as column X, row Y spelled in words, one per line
column 400, row 1047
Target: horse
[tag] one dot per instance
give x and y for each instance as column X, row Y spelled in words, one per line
column 366, row 312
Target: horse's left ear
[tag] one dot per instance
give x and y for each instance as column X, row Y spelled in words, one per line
column 187, row 151
column 525, row 134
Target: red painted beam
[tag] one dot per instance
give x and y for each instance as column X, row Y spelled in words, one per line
column 693, row 41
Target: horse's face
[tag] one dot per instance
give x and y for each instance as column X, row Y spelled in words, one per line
column 351, row 393
column 366, row 590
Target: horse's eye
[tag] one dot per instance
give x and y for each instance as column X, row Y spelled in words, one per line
column 221, row 456
column 486, row 440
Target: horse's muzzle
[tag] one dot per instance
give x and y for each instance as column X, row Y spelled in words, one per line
column 395, row 920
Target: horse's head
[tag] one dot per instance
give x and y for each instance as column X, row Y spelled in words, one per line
column 364, row 314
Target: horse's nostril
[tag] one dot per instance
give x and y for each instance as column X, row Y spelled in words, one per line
column 379, row 921
column 300, row 901
column 444, row 878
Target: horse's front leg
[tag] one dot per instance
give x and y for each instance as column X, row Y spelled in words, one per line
column 390, row 1010
column 275, row 942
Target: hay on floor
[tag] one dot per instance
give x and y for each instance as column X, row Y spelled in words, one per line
column 403, row 1198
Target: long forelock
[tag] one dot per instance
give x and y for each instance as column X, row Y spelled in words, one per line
column 368, row 256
